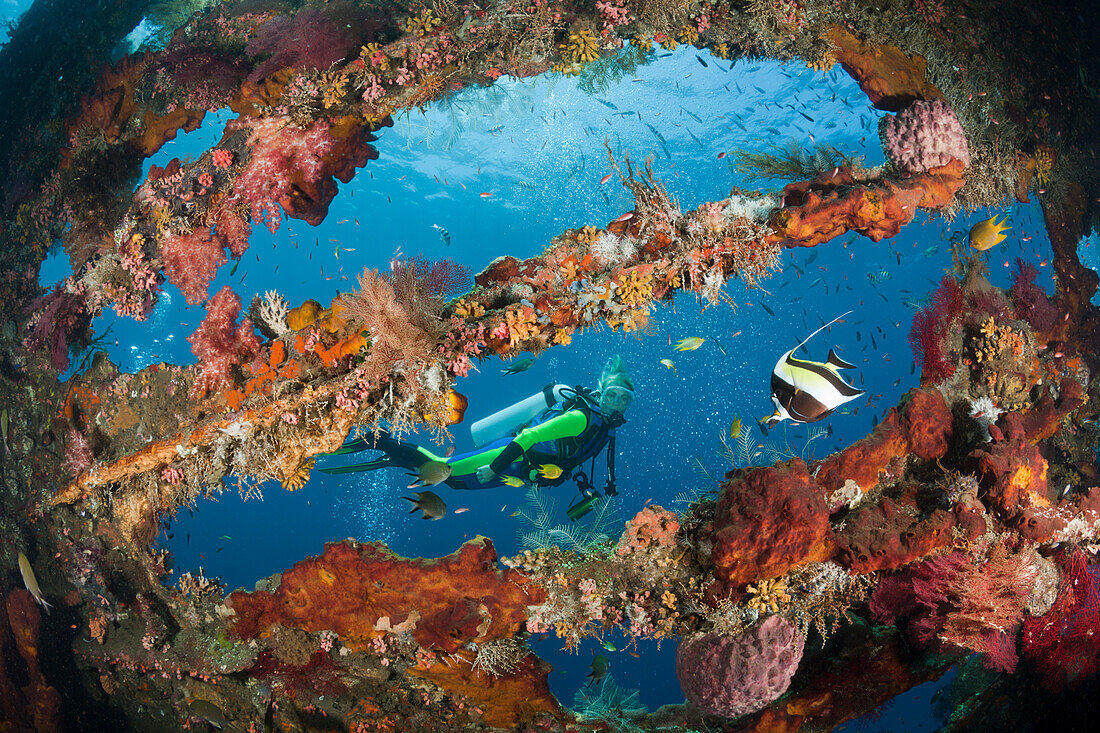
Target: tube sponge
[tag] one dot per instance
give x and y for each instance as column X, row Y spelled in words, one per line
column 925, row 135
column 738, row 675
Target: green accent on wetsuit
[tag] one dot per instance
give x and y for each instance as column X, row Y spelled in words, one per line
column 567, row 425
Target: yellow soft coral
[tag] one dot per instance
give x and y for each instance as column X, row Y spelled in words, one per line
column 632, row 320
column 769, row 595
column 588, row 234
column 688, row 34
column 581, row 48
column 422, row 24
column 298, row 479
column 567, row 69
column 636, row 288
column 1043, row 165
column 521, row 325
column 469, row 309
column 373, row 55
column 334, row 86
column 824, row 63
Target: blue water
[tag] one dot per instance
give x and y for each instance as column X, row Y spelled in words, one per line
column 537, row 145
column 10, row 13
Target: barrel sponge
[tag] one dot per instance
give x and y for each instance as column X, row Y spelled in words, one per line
column 738, row 675
column 925, row 135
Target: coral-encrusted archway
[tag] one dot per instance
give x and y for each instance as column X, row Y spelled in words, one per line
column 377, row 640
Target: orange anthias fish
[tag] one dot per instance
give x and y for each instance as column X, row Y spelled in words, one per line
column 986, row 234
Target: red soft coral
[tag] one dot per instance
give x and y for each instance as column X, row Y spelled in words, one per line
column 220, row 343
column 1065, row 642
column 58, row 317
column 309, row 40
column 191, row 261
column 949, row 599
column 931, row 326
column 1030, row 301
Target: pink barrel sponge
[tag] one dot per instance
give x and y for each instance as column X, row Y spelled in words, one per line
column 738, row 675
column 925, row 135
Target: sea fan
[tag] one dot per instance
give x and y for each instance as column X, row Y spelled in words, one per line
column 398, row 333
column 610, row 704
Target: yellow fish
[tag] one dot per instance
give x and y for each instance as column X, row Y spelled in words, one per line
column 549, row 470
column 689, row 344
column 513, row 481
column 668, row 363
column 735, row 427
column 988, row 233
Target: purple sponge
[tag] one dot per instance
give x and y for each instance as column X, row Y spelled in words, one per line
column 737, row 675
column 925, row 135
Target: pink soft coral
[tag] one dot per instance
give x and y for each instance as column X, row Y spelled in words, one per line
column 191, row 261
column 220, row 343
column 233, row 229
column 282, row 156
column 654, row 527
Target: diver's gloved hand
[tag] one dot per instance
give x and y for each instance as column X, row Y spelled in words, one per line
column 610, row 489
column 485, row 474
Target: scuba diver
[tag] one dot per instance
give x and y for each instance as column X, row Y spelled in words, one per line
column 542, row 440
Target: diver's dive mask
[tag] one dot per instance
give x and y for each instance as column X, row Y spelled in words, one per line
column 615, row 399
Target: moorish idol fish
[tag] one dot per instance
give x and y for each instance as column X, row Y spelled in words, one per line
column 806, row 391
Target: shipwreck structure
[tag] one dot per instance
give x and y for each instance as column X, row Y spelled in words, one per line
column 966, row 522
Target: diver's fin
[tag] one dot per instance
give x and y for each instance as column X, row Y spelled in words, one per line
column 839, row 363
column 353, row 446
column 374, row 465
column 380, row 440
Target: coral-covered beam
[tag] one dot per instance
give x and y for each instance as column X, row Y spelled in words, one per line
column 326, row 435
column 363, row 591
column 449, row 605
column 834, row 203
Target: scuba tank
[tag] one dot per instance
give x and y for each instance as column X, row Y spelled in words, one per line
column 504, row 422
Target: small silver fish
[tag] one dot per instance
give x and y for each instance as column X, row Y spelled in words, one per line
column 31, row 582
column 428, row 503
